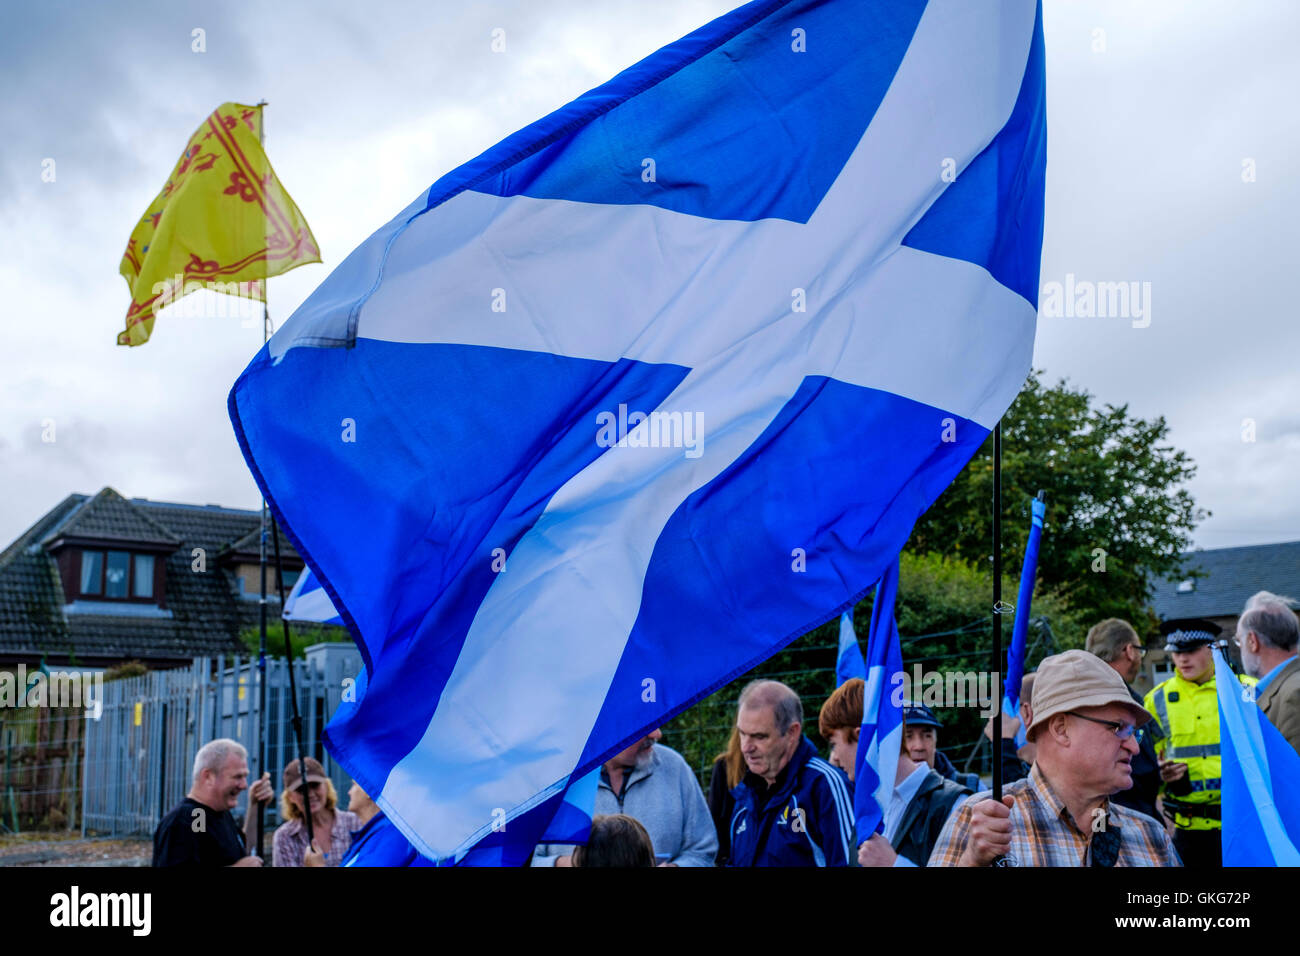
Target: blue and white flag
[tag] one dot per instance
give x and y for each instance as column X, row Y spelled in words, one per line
column 849, row 663
column 307, row 601
column 1020, row 631
column 1261, row 779
column 656, row 385
column 881, row 738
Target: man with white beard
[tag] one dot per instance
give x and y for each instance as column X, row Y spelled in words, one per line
column 653, row 784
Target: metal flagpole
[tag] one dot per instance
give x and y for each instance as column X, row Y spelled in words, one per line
column 293, row 690
column 262, row 749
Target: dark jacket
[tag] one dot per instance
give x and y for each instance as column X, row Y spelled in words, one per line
column 804, row 819
column 1013, row 768
column 721, row 803
column 945, row 769
column 924, row 817
column 1146, row 771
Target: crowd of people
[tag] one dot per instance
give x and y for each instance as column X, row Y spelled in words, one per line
column 1100, row 777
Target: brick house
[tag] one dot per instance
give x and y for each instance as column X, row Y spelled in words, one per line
column 103, row 579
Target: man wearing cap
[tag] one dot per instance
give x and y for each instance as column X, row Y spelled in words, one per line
column 921, row 741
column 1084, row 728
column 1186, row 709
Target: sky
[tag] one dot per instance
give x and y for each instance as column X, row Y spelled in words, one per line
column 1173, row 140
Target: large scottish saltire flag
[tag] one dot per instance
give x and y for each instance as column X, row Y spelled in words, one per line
column 654, row 386
column 1261, row 780
column 880, row 738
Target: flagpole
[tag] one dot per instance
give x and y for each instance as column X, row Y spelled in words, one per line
column 262, row 754
column 296, row 718
column 997, row 609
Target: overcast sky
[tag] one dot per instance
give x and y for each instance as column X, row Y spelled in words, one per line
column 1154, row 110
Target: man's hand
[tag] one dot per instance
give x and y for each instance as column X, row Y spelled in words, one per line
column 262, row 791
column 1010, row 725
column 990, row 832
column 249, row 861
column 876, row 852
column 564, row 861
column 1171, row 770
column 312, row 856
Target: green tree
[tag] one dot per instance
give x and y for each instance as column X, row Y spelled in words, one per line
column 1118, row 514
column 301, row 636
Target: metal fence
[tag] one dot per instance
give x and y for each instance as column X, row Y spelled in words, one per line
column 139, row 753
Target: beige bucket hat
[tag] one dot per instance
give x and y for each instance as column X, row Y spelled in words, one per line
column 1075, row 679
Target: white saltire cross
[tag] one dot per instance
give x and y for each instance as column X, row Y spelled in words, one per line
column 641, row 282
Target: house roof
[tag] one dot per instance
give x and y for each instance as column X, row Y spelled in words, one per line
column 109, row 516
column 204, row 613
column 1232, row 576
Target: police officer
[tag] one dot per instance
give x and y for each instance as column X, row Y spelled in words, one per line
column 1186, row 708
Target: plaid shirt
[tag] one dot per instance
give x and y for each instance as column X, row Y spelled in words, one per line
column 1043, row 832
column 290, row 841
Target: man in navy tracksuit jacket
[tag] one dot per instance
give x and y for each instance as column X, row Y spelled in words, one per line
column 792, row 807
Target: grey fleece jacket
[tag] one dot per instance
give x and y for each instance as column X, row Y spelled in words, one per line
column 666, row 798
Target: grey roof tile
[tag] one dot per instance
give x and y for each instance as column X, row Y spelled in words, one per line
column 1234, row 574
column 206, row 612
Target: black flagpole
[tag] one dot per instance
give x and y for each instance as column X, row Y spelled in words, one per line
column 293, row 689
column 997, row 609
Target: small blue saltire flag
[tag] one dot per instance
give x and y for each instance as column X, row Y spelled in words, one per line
column 654, row 386
column 849, row 662
column 307, row 601
column 881, row 736
column 1261, row 779
column 1020, row 631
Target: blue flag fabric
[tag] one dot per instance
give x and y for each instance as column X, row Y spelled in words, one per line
column 379, row 843
column 881, row 736
column 849, row 662
column 1020, row 631
column 1261, row 779
column 621, row 407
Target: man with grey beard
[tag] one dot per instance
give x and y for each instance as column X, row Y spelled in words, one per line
column 654, row 785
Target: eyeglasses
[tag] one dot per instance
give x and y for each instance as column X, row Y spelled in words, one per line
column 1122, row 731
column 1142, row 651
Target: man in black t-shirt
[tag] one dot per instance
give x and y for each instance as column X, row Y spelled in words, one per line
column 200, row 830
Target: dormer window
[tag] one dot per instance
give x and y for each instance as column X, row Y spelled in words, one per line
column 116, row 575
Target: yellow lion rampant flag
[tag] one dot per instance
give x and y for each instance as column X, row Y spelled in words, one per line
column 222, row 222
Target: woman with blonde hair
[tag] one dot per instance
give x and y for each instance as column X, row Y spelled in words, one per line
column 728, row 770
column 331, row 828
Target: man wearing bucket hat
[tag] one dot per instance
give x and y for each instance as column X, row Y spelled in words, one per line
column 1186, row 708
column 1084, row 726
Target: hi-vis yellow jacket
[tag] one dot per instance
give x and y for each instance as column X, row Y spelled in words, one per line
column 1188, row 717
